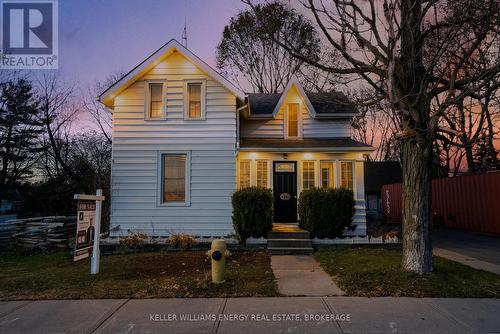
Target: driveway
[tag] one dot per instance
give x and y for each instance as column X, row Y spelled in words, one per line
column 470, row 244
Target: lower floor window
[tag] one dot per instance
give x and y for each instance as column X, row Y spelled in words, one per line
column 244, row 174
column 174, row 178
column 346, row 175
column 307, row 175
column 327, row 174
column 262, row 174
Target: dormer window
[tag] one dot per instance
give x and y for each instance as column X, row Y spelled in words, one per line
column 292, row 120
column 194, row 100
column 154, row 100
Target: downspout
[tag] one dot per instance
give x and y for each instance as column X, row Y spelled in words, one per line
column 238, row 125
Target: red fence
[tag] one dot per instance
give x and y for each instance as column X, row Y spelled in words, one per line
column 469, row 202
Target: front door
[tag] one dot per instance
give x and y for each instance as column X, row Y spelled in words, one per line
column 285, row 191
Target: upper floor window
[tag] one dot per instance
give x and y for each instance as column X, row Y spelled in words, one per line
column 155, row 100
column 194, row 100
column 346, row 175
column 292, row 120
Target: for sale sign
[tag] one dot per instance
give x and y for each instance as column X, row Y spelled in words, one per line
column 85, row 229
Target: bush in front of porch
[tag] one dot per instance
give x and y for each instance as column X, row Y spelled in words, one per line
column 252, row 212
column 325, row 213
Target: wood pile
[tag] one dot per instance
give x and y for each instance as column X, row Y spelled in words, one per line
column 38, row 233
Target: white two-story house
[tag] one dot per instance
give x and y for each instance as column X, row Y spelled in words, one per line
column 185, row 138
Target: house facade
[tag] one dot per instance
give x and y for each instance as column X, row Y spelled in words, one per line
column 185, row 138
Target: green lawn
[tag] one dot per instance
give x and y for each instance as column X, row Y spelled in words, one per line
column 139, row 275
column 374, row 272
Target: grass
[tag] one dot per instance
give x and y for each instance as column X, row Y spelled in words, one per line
column 139, row 275
column 374, row 272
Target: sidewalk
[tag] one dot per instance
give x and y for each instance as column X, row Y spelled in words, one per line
column 270, row 315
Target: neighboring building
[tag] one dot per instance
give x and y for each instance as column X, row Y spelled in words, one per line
column 185, row 138
column 377, row 174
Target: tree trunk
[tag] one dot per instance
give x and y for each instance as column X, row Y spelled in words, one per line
column 416, row 204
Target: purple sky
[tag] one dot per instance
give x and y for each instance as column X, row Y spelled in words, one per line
column 101, row 37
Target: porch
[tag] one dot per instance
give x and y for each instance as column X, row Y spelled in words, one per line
column 289, row 171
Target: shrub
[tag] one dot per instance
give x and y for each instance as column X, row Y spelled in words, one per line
column 183, row 241
column 326, row 212
column 252, row 212
column 135, row 240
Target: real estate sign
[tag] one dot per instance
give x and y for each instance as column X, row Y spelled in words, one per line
column 85, row 229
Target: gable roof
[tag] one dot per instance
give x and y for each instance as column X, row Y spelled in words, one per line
column 107, row 97
column 332, row 104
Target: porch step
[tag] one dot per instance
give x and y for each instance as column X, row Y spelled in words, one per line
column 289, row 243
column 289, row 239
column 290, row 250
column 288, row 235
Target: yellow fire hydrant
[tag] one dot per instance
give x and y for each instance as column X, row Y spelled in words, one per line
column 218, row 253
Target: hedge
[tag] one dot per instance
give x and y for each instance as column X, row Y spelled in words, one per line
column 325, row 213
column 252, row 212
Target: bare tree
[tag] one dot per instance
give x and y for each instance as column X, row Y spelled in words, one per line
column 57, row 113
column 247, row 54
column 100, row 114
column 419, row 55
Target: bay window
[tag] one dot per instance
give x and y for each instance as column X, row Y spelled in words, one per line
column 262, row 174
column 307, row 175
column 244, row 174
column 346, row 175
column 327, row 174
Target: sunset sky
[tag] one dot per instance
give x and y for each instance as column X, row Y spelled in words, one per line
column 101, row 37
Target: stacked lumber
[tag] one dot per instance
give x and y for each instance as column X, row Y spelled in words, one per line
column 44, row 233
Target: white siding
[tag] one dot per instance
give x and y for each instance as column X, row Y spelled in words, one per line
column 137, row 143
column 311, row 127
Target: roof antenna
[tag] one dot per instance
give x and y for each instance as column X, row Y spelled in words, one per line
column 184, row 34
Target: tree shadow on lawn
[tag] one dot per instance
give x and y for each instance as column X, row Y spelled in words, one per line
column 376, row 272
column 138, row 275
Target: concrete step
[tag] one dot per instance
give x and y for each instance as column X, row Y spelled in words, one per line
column 288, row 235
column 282, row 243
column 290, row 250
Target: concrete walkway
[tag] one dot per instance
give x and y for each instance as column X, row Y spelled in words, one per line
column 253, row 315
column 296, row 273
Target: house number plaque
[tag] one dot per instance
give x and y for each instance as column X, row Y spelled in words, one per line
column 285, row 196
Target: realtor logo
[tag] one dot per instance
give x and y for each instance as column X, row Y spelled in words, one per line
column 29, row 34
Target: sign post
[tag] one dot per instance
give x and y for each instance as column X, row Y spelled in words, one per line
column 94, row 264
column 88, row 230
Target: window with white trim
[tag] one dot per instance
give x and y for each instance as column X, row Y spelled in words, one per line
column 194, row 100
column 155, row 100
column 174, row 178
column 262, row 173
column 327, row 174
column 244, row 174
column 293, row 120
column 307, row 175
column 346, row 175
